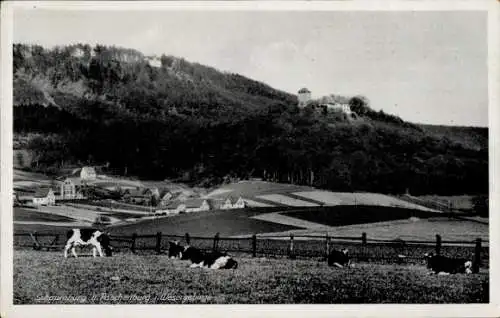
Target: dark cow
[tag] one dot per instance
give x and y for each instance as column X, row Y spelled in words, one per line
column 443, row 265
column 83, row 237
column 214, row 260
column 175, row 250
column 339, row 258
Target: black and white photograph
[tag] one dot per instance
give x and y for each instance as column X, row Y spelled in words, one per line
column 296, row 153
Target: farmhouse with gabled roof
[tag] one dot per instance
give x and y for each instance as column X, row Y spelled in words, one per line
column 233, row 203
column 44, row 196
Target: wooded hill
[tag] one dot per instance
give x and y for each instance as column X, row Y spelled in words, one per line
column 79, row 104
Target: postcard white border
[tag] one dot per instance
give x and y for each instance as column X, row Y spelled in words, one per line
column 7, row 309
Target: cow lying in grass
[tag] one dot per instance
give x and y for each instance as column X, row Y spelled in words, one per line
column 175, row 249
column 198, row 258
column 84, row 237
column 214, row 260
column 443, row 265
column 339, row 258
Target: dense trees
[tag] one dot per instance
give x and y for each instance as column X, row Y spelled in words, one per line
column 185, row 120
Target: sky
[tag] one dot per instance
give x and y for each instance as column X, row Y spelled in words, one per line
column 426, row 67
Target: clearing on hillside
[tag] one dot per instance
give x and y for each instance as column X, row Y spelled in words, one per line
column 263, row 193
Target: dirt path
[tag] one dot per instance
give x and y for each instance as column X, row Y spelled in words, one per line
column 74, row 213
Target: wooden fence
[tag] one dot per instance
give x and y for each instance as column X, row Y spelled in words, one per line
column 361, row 248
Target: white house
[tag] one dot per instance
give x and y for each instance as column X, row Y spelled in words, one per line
column 196, row 205
column 68, row 189
column 193, row 205
column 165, row 197
column 88, row 174
column 233, row 203
column 44, row 196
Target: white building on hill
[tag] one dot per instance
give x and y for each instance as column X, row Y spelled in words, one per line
column 304, row 97
column 193, row 205
column 70, row 189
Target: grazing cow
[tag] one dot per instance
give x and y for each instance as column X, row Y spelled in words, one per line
column 83, row 237
column 443, row 265
column 175, row 250
column 339, row 258
column 214, row 260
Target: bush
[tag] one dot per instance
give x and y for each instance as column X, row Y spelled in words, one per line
column 102, row 220
column 481, row 205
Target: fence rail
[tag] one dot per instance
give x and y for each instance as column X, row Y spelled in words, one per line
column 361, row 248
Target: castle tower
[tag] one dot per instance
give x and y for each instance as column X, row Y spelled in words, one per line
column 304, row 97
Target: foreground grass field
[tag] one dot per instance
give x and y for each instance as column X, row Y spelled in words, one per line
column 45, row 277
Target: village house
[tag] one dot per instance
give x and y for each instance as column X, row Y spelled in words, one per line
column 193, row 205
column 88, row 174
column 165, row 198
column 44, row 196
column 69, row 189
column 138, row 196
column 173, row 207
column 233, row 203
column 196, row 205
column 154, row 192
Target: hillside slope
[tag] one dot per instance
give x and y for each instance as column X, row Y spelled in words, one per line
column 185, row 121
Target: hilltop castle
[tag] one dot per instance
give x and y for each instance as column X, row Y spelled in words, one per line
column 304, row 96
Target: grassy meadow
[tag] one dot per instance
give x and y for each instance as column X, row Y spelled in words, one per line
column 45, row 277
column 20, row 214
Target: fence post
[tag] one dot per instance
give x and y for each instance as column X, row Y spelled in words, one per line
column 438, row 244
column 254, row 245
column 54, row 242
column 188, row 240
column 36, row 244
column 158, row 242
column 291, row 252
column 477, row 256
column 327, row 246
column 363, row 238
column 216, row 242
column 132, row 247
